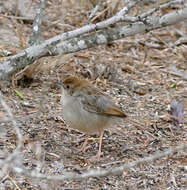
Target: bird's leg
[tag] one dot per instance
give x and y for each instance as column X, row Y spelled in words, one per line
column 84, row 147
column 97, row 156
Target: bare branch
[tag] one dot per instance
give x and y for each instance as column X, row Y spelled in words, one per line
column 12, row 156
column 101, row 173
column 128, row 7
column 162, row 6
column 36, row 28
column 108, row 35
column 17, row 17
column 94, row 10
column 61, row 44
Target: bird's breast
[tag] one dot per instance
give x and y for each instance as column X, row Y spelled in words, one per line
column 78, row 118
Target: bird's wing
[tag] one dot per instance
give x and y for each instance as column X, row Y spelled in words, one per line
column 101, row 104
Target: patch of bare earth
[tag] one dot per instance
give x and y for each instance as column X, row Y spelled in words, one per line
column 143, row 73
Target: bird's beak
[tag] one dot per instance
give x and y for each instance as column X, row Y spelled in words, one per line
column 58, row 84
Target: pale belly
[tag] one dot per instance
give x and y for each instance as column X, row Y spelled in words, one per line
column 82, row 120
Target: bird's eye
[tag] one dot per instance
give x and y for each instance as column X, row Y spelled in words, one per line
column 67, row 86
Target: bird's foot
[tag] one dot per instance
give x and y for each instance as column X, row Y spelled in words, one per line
column 83, row 148
column 96, row 157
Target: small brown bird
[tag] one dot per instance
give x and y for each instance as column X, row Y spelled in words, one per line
column 87, row 109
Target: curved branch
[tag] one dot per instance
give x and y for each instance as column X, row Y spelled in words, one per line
column 65, row 43
column 5, row 163
column 101, row 173
column 109, row 35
